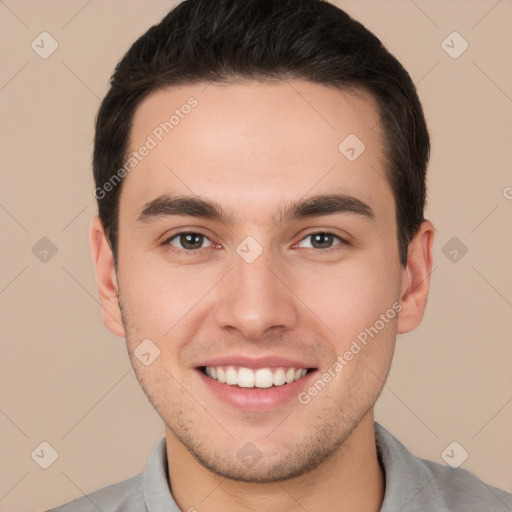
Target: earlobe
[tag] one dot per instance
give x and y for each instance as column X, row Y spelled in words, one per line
column 416, row 279
column 106, row 278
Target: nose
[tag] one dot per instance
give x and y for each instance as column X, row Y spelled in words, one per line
column 255, row 299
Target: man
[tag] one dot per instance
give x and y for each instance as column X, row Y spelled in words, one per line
column 260, row 175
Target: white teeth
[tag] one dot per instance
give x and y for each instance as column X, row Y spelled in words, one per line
column 263, row 378
column 245, row 378
column 260, row 378
column 231, row 376
column 279, row 378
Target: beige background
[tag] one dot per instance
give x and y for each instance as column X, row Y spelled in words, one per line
column 67, row 381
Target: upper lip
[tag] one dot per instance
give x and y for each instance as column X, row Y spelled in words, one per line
column 255, row 362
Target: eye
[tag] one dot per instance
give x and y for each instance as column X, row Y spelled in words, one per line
column 323, row 240
column 189, row 241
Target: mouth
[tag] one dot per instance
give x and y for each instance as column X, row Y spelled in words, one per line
column 255, row 378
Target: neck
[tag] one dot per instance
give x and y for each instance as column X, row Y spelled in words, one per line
column 350, row 479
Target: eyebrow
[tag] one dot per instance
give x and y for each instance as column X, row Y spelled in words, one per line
column 315, row 206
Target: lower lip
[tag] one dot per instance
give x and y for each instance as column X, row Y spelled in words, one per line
column 257, row 399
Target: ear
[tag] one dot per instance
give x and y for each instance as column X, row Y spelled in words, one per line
column 106, row 278
column 416, row 278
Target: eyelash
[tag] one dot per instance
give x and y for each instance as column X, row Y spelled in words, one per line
column 336, row 247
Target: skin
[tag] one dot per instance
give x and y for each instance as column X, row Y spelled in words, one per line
column 253, row 148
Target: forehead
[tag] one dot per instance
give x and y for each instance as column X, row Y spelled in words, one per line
column 252, row 145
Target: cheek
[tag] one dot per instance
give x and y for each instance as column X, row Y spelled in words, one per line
column 348, row 297
column 157, row 298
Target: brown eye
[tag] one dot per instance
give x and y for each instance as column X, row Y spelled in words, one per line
column 322, row 240
column 189, row 241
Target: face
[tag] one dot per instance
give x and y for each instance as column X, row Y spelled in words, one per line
column 253, row 248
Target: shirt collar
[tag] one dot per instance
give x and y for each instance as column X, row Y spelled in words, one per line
column 409, row 483
column 157, row 493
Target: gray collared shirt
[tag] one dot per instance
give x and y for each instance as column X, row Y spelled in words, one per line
column 412, row 485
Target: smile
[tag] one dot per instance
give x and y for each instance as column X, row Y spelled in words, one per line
column 254, row 378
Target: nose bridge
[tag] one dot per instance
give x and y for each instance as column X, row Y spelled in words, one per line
column 252, row 300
